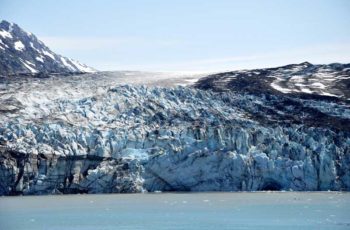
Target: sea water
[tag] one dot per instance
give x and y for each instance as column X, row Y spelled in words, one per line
column 246, row 210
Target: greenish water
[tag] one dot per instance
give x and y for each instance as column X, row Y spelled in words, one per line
column 261, row 210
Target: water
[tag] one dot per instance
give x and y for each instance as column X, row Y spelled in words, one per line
column 262, row 210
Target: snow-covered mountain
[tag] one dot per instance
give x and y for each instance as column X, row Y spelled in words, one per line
column 304, row 79
column 22, row 52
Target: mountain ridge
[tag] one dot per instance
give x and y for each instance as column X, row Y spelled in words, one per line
column 22, row 52
column 303, row 79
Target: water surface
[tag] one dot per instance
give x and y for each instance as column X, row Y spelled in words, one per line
column 260, row 210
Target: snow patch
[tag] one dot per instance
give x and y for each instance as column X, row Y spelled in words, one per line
column 318, row 85
column 48, row 54
column 279, row 88
column 19, row 46
column 82, row 67
column 30, row 63
column 329, row 94
column 32, row 70
column 5, row 34
column 297, row 79
column 32, row 45
column 300, row 85
column 306, row 90
column 324, row 76
column 40, row 59
column 67, row 64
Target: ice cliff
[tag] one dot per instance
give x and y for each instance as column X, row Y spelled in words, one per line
column 144, row 138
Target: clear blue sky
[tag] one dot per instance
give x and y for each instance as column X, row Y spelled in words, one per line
column 188, row 35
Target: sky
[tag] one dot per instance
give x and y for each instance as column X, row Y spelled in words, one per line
column 188, row 35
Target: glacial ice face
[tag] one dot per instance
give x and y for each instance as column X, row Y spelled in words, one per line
column 137, row 138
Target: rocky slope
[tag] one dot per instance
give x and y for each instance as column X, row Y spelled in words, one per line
column 106, row 138
column 23, row 53
column 304, row 79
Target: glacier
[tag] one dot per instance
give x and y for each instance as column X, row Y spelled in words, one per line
column 111, row 137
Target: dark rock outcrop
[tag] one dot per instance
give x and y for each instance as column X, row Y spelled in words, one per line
column 303, row 80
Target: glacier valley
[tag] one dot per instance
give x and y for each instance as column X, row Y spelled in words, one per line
column 118, row 132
